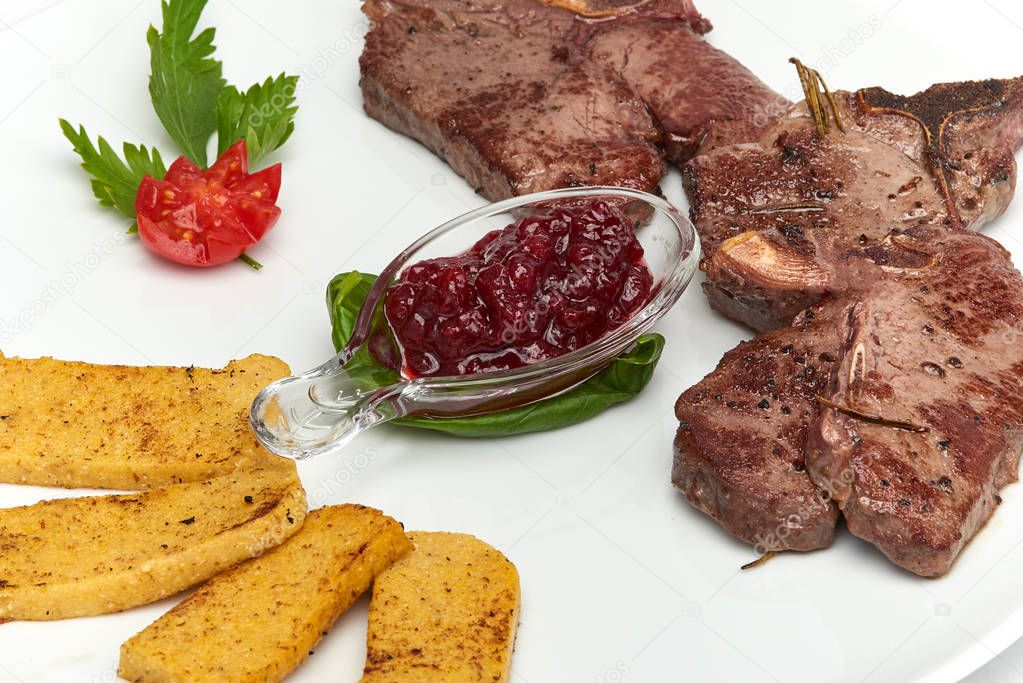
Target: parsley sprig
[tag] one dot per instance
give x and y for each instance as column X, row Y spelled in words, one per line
column 114, row 181
column 192, row 100
column 263, row 115
column 185, row 81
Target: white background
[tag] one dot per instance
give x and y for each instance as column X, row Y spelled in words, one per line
column 622, row 580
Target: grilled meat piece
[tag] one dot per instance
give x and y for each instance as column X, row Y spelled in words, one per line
column 970, row 133
column 912, row 421
column 940, row 351
column 790, row 218
column 702, row 97
column 739, row 451
column 524, row 95
column 493, row 88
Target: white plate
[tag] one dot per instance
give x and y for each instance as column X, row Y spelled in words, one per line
column 622, row 580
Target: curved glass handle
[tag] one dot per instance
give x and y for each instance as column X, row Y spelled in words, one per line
column 323, row 409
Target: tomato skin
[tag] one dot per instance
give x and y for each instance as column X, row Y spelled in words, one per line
column 207, row 218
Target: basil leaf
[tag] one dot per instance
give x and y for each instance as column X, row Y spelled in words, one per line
column 345, row 295
column 625, row 377
column 617, row 383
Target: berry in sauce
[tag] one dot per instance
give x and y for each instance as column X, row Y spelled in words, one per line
column 541, row 287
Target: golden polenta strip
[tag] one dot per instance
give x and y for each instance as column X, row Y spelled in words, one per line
column 81, row 556
column 78, row 425
column 446, row 613
column 259, row 621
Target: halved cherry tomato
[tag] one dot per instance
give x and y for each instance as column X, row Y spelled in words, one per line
column 205, row 218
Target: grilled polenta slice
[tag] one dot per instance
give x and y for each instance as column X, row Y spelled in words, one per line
column 81, row 556
column 259, row 621
column 447, row 612
column 79, row 425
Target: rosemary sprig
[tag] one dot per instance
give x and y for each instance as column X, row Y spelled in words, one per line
column 759, row 561
column 819, row 100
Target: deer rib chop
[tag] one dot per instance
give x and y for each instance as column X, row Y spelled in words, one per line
column 902, row 400
column 520, row 96
column 790, row 217
column 939, row 351
column 491, row 88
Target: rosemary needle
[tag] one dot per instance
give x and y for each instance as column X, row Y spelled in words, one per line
column 759, row 561
column 819, row 99
column 873, row 419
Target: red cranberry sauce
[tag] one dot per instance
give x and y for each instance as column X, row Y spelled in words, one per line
column 541, row 287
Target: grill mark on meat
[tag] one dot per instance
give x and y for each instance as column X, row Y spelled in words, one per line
column 970, row 309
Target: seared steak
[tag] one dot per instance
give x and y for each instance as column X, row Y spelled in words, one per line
column 790, row 217
column 739, row 451
column 493, row 89
column 940, row 352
